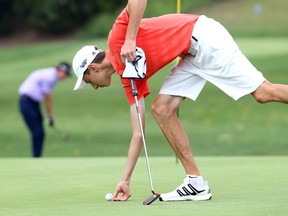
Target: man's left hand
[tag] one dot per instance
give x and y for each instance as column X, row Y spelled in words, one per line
column 128, row 51
column 51, row 122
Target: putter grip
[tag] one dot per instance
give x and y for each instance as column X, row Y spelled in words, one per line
column 133, row 86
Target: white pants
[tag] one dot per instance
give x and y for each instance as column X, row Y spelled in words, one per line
column 214, row 57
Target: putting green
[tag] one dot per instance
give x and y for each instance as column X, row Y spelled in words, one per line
column 77, row 186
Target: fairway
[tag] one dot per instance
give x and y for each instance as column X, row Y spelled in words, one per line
column 90, row 116
column 77, row 186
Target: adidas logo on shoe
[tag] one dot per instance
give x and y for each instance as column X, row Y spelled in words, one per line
column 187, row 191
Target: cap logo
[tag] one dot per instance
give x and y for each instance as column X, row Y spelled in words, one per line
column 83, row 63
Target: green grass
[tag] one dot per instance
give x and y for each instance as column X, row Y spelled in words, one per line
column 241, row 186
column 99, row 123
column 248, row 176
column 241, row 20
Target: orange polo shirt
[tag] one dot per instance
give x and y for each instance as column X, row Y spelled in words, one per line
column 162, row 39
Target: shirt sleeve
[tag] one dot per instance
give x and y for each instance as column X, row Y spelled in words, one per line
column 141, row 86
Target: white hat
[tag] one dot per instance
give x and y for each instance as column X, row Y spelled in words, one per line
column 80, row 63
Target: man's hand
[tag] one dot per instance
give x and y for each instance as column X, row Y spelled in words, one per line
column 123, row 190
column 51, row 122
column 137, row 68
column 128, row 51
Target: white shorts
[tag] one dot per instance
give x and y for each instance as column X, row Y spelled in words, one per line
column 214, row 57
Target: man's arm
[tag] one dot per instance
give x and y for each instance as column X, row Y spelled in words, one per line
column 136, row 10
column 48, row 107
column 133, row 154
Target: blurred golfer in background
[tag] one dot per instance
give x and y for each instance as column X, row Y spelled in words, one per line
column 208, row 53
column 37, row 87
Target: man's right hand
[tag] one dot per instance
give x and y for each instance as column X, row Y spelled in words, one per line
column 123, row 190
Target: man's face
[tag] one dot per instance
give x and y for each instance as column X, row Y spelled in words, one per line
column 62, row 75
column 97, row 77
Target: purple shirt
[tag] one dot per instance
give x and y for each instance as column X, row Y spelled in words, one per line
column 39, row 83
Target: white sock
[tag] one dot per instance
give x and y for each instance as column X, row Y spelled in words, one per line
column 196, row 181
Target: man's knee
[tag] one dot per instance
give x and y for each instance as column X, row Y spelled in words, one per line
column 264, row 93
column 161, row 109
column 259, row 97
column 158, row 109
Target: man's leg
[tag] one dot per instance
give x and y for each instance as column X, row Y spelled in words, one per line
column 164, row 110
column 33, row 118
column 38, row 136
column 268, row 92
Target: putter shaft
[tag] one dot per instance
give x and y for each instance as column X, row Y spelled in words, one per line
column 155, row 195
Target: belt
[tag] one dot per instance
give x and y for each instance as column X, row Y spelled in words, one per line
column 193, row 51
column 194, row 38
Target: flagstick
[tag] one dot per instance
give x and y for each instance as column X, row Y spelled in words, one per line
column 177, row 60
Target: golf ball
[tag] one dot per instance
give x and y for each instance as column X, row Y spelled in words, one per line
column 108, row 196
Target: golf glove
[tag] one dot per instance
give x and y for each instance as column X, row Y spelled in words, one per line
column 51, row 122
column 137, row 68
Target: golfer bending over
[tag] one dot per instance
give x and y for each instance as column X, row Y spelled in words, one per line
column 208, row 53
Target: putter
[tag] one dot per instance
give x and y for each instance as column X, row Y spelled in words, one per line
column 155, row 195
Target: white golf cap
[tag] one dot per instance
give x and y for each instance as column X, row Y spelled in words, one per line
column 80, row 63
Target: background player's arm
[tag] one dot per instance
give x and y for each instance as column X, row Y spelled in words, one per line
column 48, row 107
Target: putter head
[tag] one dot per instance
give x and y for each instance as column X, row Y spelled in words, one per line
column 151, row 199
